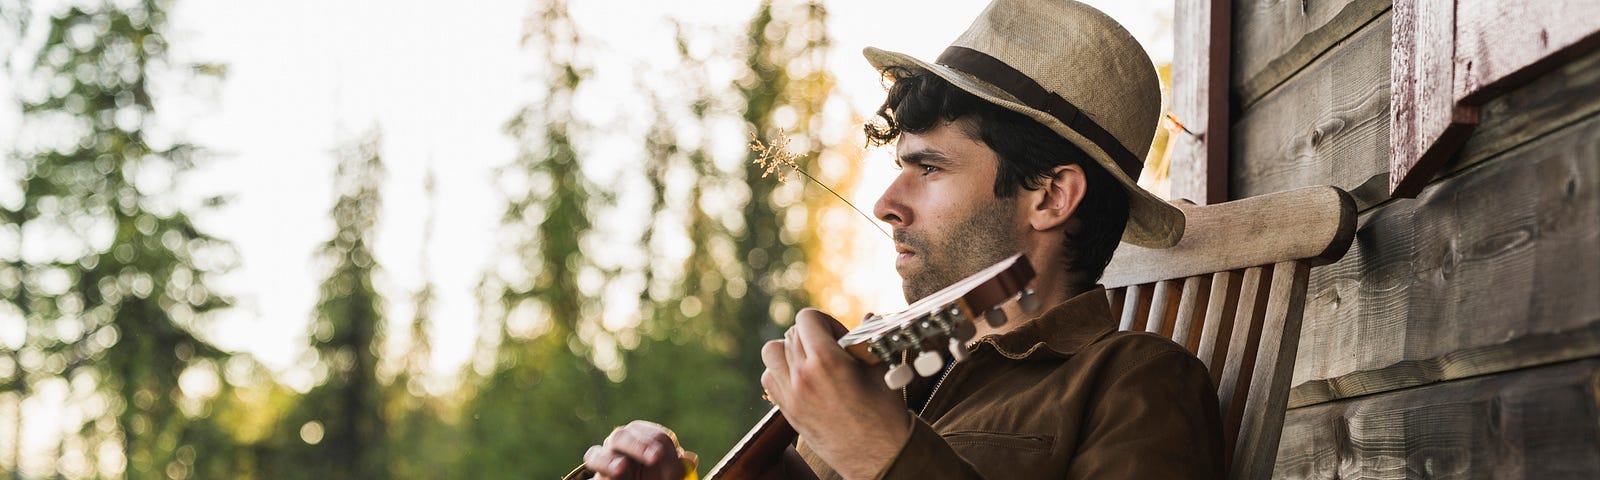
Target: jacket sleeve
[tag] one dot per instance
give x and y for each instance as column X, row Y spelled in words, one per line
column 1157, row 419
column 926, row 455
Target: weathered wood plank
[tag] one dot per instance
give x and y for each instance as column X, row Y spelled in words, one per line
column 1555, row 100
column 1502, row 44
column 1191, row 311
column 1135, row 307
column 1273, row 39
column 1309, row 223
column 1217, row 329
column 1328, row 125
column 1269, row 384
column 1537, row 423
column 1429, row 125
column 1490, row 270
column 1234, row 388
column 1199, row 168
column 1164, row 308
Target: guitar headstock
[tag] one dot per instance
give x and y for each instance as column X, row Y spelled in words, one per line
column 941, row 323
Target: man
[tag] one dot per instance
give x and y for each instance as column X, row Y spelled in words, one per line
column 1022, row 137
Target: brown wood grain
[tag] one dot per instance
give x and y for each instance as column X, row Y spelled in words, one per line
column 1558, row 99
column 1273, row 39
column 1536, row 424
column 1260, row 425
column 1199, row 168
column 1234, row 387
column 1327, row 125
column 1135, row 307
column 1164, row 307
column 1188, row 319
column 1429, row 124
column 1490, row 270
column 1221, row 308
column 1310, row 223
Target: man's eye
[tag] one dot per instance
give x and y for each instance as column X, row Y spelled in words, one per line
column 927, row 169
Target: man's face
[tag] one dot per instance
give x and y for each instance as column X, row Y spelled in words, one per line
column 947, row 222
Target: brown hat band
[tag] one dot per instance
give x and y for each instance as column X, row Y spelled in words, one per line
column 997, row 73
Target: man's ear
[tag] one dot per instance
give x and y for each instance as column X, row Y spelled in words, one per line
column 1055, row 201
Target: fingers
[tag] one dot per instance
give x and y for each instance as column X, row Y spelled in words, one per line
column 818, row 332
column 777, row 374
column 643, row 446
column 794, row 349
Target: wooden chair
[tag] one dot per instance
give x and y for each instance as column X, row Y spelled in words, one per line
column 1232, row 291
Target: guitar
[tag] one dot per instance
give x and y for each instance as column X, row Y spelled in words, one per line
column 935, row 326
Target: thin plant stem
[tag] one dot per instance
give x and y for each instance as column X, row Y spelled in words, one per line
column 773, row 156
column 846, row 202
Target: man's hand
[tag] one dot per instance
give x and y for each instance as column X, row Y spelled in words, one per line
column 839, row 405
column 638, row 450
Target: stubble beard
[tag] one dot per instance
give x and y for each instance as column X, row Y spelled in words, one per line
column 976, row 242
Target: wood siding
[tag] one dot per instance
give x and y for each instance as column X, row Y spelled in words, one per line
column 1460, row 336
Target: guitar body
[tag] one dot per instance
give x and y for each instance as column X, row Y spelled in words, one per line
column 930, row 326
column 759, row 451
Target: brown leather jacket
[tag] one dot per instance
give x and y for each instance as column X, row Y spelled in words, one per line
column 1064, row 396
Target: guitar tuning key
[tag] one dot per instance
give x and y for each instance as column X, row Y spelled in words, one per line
column 898, row 376
column 928, row 363
column 958, row 350
column 995, row 317
column 1028, row 301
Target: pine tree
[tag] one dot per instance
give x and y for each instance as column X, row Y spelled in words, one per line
column 784, row 49
column 419, row 426
column 118, row 280
column 341, row 419
column 544, row 401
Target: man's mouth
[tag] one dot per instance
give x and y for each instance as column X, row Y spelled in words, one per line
column 903, row 253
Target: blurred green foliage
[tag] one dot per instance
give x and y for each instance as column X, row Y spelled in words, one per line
column 112, row 278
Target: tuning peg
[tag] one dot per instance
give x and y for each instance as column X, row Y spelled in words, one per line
column 898, row 376
column 958, row 350
column 1028, row 301
column 995, row 317
column 928, row 363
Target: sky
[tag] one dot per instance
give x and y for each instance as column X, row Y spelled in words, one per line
column 439, row 79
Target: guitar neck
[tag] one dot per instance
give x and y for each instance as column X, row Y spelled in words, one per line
column 758, row 451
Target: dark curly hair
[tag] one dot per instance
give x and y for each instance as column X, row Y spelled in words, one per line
column 919, row 101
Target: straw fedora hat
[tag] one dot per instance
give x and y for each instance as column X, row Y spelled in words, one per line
column 1075, row 70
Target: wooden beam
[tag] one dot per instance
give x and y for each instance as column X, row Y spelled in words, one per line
column 1199, row 168
column 1450, row 57
column 1501, row 44
column 1429, row 125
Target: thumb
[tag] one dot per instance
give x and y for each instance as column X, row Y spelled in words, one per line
column 835, row 329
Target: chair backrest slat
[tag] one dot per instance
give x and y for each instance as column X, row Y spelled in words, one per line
column 1240, row 363
column 1135, row 307
column 1232, row 291
column 1274, row 369
column 1191, row 304
column 1114, row 297
column 1164, row 307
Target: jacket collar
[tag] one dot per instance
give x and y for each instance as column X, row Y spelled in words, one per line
column 1061, row 331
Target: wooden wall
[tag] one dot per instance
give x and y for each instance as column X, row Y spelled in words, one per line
column 1460, row 337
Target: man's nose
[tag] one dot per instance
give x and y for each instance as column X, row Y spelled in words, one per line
column 890, row 208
